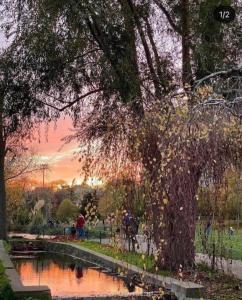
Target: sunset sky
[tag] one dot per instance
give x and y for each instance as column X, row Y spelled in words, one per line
column 51, row 150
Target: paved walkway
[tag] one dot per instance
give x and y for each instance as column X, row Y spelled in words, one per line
column 30, row 236
column 230, row 266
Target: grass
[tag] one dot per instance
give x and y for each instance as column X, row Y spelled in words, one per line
column 227, row 246
column 144, row 262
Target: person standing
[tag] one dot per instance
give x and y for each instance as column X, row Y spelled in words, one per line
column 208, row 229
column 126, row 223
column 73, row 231
column 231, row 231
column 80, row 227
column 133, row 231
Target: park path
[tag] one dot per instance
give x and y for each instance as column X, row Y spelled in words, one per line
column 229, row 266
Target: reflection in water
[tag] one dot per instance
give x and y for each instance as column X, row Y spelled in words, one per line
column 67, row 277
column 130, row 286
column 79, row 271
column 72, row 266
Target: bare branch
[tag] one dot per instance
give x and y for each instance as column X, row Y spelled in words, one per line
column 21, row 172
column 69, row 104
column 219, row 73
column 49, row 105
column 80, row 98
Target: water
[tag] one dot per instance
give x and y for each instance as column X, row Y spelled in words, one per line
column 67, row 277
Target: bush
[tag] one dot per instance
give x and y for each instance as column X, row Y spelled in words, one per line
column 52, row 230
column 67, row 211
column 6, row 292
column 36, row 224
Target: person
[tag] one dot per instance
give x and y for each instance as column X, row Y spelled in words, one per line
column 51, row 223
column 208, row 228
column 126, row 222
column 80, row 227
column 133, row 231
column 231, row 230
column 73, row 231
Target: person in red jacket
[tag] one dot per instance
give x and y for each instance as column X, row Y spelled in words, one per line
column 80, row 227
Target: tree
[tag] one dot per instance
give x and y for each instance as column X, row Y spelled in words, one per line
column 223, row 200
column 21, row 108
column 67, row 211
column 15, row 201
column 18, row 113
column 110, row 54
column 112, row 198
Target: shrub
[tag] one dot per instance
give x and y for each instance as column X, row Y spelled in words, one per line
column 67, row 211
column 6, row 291
column 37, row 223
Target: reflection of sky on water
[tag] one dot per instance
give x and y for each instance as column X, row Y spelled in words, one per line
column 66, row 277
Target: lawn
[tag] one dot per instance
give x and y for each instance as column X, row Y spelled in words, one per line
column 140, row 260
column 226, row 245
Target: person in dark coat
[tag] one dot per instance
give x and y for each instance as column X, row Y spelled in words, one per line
column 80, row 227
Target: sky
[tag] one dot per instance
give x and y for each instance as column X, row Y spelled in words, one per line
column 53, row 151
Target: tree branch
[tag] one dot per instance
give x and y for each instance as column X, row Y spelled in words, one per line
column 21, row 172
column 69, row 104
column 80, row 98
column 168, row 16
column 149, row 60
column 219, row 73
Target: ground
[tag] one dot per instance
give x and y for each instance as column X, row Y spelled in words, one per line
column 218, row 286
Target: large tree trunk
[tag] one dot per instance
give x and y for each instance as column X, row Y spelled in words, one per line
column 179, row 223
column 174, row 222
column 3, row 221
